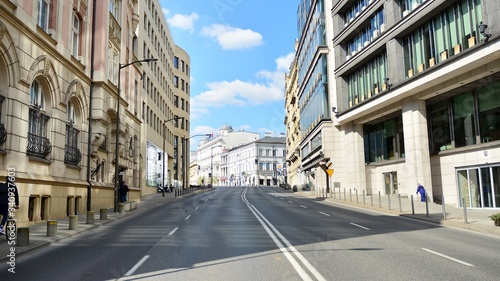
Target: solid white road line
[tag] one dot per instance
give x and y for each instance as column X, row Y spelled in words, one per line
column 324, row 214
column 173, row 231
column 447, row 257
column 136, row 266
column 360, row 226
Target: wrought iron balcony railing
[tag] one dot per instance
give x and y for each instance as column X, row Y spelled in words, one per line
column 72, row 155
column 3, row 134
column 38, row 146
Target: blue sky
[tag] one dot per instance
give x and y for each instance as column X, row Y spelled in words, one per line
column 240, row 51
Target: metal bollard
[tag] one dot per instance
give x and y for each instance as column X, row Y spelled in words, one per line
column 90, row 217
column 444, row 208
column 371, row 198
column 426, row 205
column 379, row 200
column 23, row 236
column 51, row 228
column 103, row 214
column 412, row 206
column 400, row 206
column 357, row 199
column 73, row 222
column 389, row 201
column 345, row 198
column 465, row 210
column 350, row 195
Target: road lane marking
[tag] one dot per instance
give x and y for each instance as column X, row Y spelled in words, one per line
column 282, row 198
column 196, row 208
column 447, row 257
column 173, row 231
column 303, row 206
column 136, row 266
column 290, row 202
column 360, row 226
column 188, row 217
column 273, row 232
column 324, row 214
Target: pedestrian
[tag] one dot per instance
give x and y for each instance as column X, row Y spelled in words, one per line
column 421, row 190
column 123, row 192
column 7, row 189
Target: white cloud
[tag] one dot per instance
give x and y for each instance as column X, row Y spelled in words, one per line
column 184, row 22
column 165, row 11
column 232, row 38
column 240, row 93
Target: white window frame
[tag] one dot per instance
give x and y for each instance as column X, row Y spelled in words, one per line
column 113, row 64
column 75, row 34
column 43, row 14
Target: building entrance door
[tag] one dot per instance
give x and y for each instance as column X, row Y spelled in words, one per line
column 391, row 183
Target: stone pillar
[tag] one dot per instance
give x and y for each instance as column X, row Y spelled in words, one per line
column 416, row 140
column 51, row 228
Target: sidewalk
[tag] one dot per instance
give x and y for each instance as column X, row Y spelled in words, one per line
column 473, row 219
column 38, row 232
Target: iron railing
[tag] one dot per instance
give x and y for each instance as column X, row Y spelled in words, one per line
column 38, row 146
column 72, row 155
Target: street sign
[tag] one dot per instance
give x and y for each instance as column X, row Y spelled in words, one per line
column 330, row 172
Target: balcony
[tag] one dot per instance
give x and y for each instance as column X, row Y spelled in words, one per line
column 72, row 155
column 38, row 146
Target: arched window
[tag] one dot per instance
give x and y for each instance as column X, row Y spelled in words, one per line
column 75, row 36
column 38, row 143
column 72, row 154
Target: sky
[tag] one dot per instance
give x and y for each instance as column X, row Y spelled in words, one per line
column 240, row 51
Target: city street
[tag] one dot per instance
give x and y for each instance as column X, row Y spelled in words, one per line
column 263, row 233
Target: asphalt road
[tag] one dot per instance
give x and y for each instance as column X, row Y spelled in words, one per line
column 263, row 233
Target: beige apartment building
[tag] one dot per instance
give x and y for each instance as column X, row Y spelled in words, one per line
column 64, row 65
column 293, row 136
column 166, row 104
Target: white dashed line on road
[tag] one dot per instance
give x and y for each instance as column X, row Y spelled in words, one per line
column 324, row 214
column 360, row 226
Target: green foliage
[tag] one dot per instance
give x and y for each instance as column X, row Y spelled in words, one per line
column 495, row 217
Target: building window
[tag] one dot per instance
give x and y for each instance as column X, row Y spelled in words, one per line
column 384, row 140
column 176, row 81
column 114, row 9
column 473, row 117
column 369, row 33
column 176, row 62
column 448, row 34
column 75, row 31
column 72, row 154
column 3, row 131
column 38, row 143
column 367, row 81
column 113, row 64
column 43, row 14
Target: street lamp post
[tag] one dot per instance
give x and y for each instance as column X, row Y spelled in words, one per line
column 185, row 178
column 117, row 131
column 212, row 166
column 164, row 129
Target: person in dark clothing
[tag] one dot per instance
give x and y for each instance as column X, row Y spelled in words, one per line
column 421, row 190
column 123, row 192
column 7, row 190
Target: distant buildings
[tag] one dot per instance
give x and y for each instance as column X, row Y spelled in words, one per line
column 240, row 158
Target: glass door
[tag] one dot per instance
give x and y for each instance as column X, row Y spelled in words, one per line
column 480, row 187
column 391, row 183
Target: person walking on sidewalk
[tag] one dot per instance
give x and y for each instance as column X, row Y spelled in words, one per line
column 123, row 192
column 7, row 189
column 421, row 190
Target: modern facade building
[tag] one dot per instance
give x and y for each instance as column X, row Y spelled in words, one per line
column 165, row 106
column 314, row 62
column 417, row 98
column 71, row 103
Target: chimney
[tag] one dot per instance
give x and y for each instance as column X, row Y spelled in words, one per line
column 268, row 134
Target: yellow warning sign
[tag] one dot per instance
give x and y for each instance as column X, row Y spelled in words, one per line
column 330, row 172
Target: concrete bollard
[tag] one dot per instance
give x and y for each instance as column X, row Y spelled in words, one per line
column 73, row 222
column 133, row 205
column 103, row 214
column 51, row 228
column 121, row 208
column 23, row 236
column 90, row 217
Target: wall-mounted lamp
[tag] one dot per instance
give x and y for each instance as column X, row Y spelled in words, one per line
column 334, row 110
column 387, row 84
column 482, row 29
